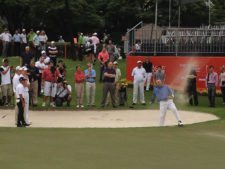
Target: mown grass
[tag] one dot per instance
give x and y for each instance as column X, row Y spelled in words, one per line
column 197, row 146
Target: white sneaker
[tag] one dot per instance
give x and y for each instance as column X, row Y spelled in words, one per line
column 77, row 106
column 82, row 106
column 52, row 104
column 43, row 104
column 180, row 124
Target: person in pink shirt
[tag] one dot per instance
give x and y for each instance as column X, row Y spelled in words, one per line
column 79, row 79
column 103, row 58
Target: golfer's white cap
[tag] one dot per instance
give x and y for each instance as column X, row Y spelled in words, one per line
column 139, row 61
column 17, row 67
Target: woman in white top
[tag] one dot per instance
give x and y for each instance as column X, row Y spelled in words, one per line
column 43, row 40
column 222, row 82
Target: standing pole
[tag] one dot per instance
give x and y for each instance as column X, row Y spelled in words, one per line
column 169, row 13
column 179, row 13
column 156, row 22
column 209, row 4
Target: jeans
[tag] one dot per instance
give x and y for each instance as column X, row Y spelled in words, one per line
column 211, row 94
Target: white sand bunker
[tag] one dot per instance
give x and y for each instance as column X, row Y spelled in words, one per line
column 102, row 119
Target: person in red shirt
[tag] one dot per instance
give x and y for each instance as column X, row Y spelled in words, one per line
column 49, row 79
column 103, row 58
column 79, row 79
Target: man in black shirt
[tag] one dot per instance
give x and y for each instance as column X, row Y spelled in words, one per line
column 191, row 87
column 26, row 57
column 147, row 65
column 33, row 78
column 109, row 84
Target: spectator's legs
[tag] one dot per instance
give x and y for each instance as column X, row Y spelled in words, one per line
column 135, row 92
column 141, row 92
column 148, row 80
column 112, row 93
column 104, row 93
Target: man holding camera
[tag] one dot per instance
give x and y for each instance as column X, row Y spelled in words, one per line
column 64, row 93
column 49, row 79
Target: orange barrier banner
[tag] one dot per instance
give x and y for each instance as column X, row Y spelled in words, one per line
column 178, row 68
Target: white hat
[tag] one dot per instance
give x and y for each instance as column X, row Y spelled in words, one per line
column 95, row 34
column 52, row 42
column 23, row 30
column 17, row 67
column 43, row 51
column 139, row 61
column 37, row 31
column 115, row 63
column 24, row 68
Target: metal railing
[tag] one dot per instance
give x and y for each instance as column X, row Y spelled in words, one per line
column 201, row 41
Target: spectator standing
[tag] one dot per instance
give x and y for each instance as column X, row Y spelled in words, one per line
column 36, row 44
column 43, row 38
column 6, row 84
column 147, row 65
column 81, row 43
column 138, row 73
column 159, row 74
column 49, row 79
column 41, row 66
column 111, row 51
column 26, row 95
column 26, row 57
column 103, row 58
column 46, row 58
column 79, row 78
column 16, row 40
column 23, row 40
column 30, row 37
column 61, row 40
column 33, row 78
column 165, row 97
column 192, row 88
column 211, row 83
column 61, row 67
column 109, row 84
column 90, row 75
column 6, row 38
column 52, row 51
column 222, row 83
column 117, row 79
column 95, row 42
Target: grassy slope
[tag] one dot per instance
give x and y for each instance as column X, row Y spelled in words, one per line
column 194, row 146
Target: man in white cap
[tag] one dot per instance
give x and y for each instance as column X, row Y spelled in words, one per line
column 52, row 50
column 46, row 58
column 138, row 74
column 26, row 57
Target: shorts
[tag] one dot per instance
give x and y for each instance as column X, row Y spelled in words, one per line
column 7, row 90
column 50, row 89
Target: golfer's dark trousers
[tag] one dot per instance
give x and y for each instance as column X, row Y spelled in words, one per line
column 211, row 94
column 20, row 119
column 193, row 96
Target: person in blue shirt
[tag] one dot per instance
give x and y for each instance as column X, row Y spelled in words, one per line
column 90, row 75
column 165, row 96
column 16, row 41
